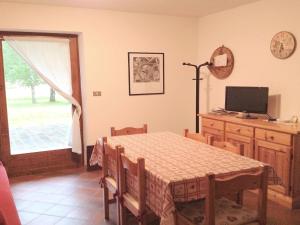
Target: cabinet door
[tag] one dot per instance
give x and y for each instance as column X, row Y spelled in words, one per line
column 218, row 135
column 278, row 156
column 246, row 141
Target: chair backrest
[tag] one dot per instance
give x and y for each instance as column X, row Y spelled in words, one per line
column 135, row 171
column 237, row 148
column 129, row 130
column 110, row 160
column 244, row 181
column 198, row 137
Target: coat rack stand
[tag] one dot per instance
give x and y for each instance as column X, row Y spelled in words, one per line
column 197, row 79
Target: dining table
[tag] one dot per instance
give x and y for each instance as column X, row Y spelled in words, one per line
column 176, row 167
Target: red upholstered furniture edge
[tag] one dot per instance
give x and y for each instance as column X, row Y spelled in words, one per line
column 1, row 219
column 8, row 210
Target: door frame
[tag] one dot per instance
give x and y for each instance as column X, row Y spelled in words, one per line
column 29, row 163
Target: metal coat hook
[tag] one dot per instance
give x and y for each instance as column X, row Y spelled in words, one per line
column 197, row 79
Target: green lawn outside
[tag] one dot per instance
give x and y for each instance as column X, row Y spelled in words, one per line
column 22, row 111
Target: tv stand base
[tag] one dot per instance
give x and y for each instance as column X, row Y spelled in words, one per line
column 246, row 116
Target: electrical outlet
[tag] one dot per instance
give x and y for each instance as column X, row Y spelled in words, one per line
column 96, row 93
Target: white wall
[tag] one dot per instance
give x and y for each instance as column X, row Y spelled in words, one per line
column 247, row 31
column 105, row 39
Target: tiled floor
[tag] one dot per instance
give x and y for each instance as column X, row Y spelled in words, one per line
column 70, row 197
column 74, row 197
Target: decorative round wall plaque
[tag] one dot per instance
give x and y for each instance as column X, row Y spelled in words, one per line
column 283, row 45
column 222, row 62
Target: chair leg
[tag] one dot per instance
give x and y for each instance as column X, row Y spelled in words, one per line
column 175, row 218
column 142, row 222
column 106, row 203
column 122, row 216
column 262, row 202
column 118, row 211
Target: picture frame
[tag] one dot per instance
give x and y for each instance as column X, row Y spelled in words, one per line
column 146, row 73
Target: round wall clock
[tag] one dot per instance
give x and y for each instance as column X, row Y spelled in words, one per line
column 283, row 45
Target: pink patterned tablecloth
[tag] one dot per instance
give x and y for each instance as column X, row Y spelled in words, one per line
column 176, row 167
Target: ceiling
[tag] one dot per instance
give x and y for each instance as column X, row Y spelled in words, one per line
column 194, row 8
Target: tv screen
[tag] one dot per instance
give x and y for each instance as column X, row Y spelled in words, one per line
column 247, row 99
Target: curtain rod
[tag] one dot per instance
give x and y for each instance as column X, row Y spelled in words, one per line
column 16, row 33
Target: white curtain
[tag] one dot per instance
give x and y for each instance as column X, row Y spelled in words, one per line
column 50, row 58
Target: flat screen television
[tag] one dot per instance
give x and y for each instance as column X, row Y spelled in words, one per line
column 247, row 99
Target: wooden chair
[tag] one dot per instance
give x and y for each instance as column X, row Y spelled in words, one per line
column 129, row 130
column 110, row 167
column 198, row 137
column 216, row 209
column 238, row 148
column 133, row 200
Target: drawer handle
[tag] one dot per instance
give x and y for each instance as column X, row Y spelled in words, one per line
column 238, row 130
column 271, row 137
column 212, row 124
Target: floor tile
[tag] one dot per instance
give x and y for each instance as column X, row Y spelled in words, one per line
column 38, row 207
column 59, row 210
column 50, row 198
column 45, row 220
column 70, row 221
column 27, row 217
column 70, row 201
column 81, row 213
column 22, row 204
column 29, row 195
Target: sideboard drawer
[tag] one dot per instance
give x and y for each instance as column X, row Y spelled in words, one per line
column 213, row 124
column 239, row 129
column 273, row 136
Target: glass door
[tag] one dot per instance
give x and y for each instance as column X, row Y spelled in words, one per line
column 35, row 121
column 39, row 119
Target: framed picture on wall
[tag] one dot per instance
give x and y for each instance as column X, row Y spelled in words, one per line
column 146, row 73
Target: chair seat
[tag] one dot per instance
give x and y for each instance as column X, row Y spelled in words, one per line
column 227, row 212
column 133, row 204
column 129, row 199
column 111, row 184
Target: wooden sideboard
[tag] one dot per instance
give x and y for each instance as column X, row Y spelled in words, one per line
column 274, row 143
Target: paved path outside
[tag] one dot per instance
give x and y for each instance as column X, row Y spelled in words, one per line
column 36, row 138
